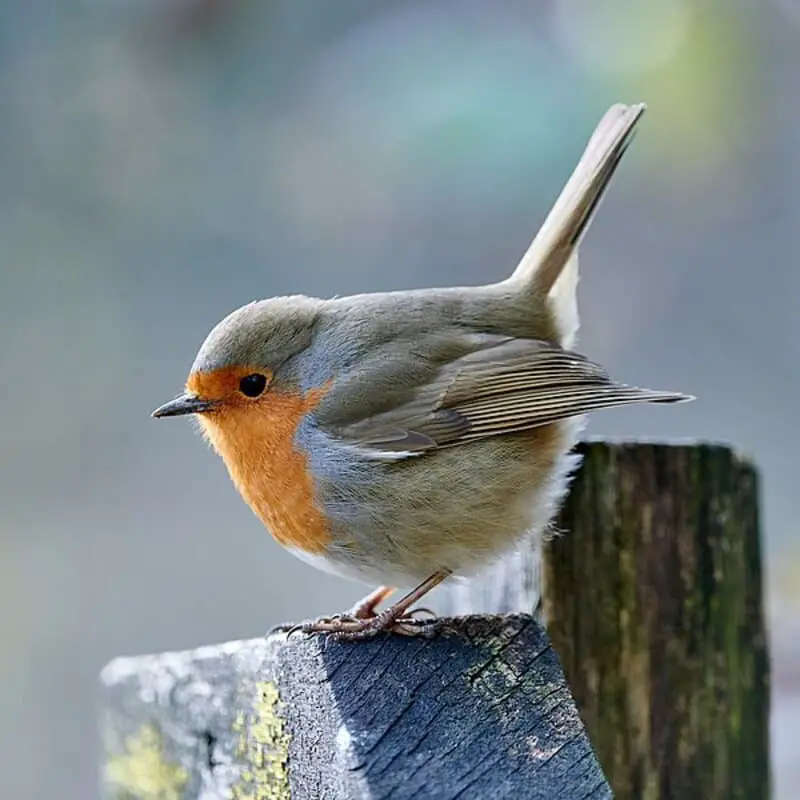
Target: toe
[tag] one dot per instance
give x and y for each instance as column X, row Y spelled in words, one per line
column 411, row 626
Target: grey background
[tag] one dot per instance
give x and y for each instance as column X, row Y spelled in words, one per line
column 163, row 162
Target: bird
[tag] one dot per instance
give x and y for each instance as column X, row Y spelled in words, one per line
column 400, row 438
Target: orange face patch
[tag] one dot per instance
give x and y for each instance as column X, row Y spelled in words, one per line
column 222, row 384
column 255, row 438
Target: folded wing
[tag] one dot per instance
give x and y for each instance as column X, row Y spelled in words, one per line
column 500, row 385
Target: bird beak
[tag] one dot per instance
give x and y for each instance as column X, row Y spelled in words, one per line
column 184, row 404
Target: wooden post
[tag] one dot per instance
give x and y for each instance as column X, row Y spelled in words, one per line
column 653, row 600
column 480, row 711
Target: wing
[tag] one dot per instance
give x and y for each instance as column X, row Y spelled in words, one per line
column 451, row 390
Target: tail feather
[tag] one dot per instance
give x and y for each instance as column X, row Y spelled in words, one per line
column 555, row 246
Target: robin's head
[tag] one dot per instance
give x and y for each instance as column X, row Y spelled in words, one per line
column 246, row 357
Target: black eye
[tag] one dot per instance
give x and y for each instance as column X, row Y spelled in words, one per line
column 253, row 385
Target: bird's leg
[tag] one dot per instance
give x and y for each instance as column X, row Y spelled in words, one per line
column 395, row 619
column 365, row 607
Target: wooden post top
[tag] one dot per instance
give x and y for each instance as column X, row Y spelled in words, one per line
column 481, row 710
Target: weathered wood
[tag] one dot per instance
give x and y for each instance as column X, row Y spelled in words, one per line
column 479, row 711
column 653, row 600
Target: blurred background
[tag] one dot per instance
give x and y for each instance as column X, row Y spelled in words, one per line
column 164, row 161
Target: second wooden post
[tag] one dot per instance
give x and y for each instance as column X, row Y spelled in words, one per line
column 652, row 596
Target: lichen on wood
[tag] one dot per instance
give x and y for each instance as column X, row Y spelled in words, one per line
column 262, row 741
column 140, row 769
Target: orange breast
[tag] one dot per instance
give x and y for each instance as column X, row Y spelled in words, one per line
column 256, row 441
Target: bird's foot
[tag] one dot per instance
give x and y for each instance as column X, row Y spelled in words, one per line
column 362, row 621
column 349, row 628
column 363, row 609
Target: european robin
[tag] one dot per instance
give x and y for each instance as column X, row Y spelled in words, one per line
column 399, row 438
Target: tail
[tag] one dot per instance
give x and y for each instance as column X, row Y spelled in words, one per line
column 550, row 265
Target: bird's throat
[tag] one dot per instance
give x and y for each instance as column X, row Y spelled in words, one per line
column 257, row 444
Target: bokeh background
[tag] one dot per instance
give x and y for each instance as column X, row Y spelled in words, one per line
column 164, row 161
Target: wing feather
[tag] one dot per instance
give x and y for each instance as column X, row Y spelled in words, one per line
column 500, row 385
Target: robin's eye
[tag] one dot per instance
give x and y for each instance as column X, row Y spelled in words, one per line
column 253, row 385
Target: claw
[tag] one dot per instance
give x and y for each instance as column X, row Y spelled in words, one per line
column 294, row 629
column 283, row 627
column 415, row 612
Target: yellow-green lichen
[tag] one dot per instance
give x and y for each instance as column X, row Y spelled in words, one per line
column 142, row 772
column 264, row 744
